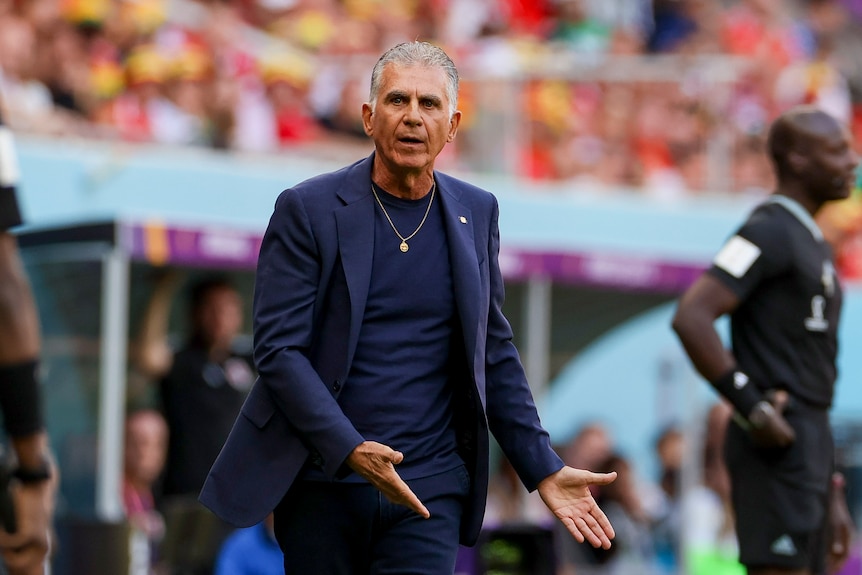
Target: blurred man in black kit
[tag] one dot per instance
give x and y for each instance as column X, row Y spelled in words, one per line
column 776, row 280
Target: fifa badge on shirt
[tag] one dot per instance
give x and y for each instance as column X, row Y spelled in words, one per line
column 817, row 321
column 828, row 278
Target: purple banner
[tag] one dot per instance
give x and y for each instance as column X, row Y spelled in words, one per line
column 600, row 270
column 158, row 244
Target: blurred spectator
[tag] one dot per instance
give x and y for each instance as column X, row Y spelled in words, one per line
column 670, row 448
column 589, row 449
column 146, row 445
column 833, row 20
column 287, row 78
column 575, row 29
column 633, row 550
column 816, row 81
column 251, row 551
column 510, row 504
column 27, row 101
column 590, row 446
column 202, row 386
column 673, row 23
column 708, row 536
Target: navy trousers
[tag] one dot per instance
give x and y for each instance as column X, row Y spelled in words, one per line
column 352, row 529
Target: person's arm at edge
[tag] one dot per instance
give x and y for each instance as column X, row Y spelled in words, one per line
column 151, row 353
column 840, row 524
column 20, row 345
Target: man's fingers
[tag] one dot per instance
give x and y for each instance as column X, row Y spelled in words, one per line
column 586, row 532
column 396, row 457
column 573, row 529
column 398, row 492
column 603, row 523
column 595, row 532
column 415, row 504
column 601, row 478
column 405, row 496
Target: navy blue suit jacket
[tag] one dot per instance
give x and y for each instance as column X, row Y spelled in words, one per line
column 313, row 276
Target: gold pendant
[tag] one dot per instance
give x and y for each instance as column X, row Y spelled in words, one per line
column 404, row 246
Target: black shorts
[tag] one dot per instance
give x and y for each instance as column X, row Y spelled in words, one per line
column 10, row 215
column 780, row 496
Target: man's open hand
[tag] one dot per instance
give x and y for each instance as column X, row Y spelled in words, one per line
column 567, row 495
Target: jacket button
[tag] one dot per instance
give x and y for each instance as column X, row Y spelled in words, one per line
column 336, row 385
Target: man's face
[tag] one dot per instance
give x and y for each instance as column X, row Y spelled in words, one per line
column 410, row 123
column 831, row 172
column 220, row 315
column 146, row 446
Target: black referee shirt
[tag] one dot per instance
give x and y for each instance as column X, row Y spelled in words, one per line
column 784, row 332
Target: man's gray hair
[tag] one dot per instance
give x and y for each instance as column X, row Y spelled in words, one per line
column 417, row 54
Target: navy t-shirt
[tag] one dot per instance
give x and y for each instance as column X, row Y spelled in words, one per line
column 398, row 391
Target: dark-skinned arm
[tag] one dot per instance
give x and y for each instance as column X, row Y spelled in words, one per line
column 694, row 323
column 840, row 525
column 24, row 552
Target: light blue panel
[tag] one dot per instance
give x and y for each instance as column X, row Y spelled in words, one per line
column 70, row 181
column 687, row 231
column 637, row 378
column 63, row 182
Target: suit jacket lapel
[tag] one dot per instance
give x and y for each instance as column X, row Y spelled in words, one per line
column 355, row 225
column 458, row 221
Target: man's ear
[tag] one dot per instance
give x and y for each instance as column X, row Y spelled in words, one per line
column 366, row 119
column 797, row 161
column 454, row 121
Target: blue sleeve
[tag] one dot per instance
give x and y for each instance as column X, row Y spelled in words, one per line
column 286, row 292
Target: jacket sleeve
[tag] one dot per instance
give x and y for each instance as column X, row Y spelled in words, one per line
column 286, row 292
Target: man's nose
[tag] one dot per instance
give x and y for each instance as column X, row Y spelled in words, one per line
column 412, row 116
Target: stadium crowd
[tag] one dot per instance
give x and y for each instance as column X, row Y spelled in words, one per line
column 614, row 93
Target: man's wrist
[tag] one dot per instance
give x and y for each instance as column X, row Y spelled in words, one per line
column 30, row 475
column 739, row 390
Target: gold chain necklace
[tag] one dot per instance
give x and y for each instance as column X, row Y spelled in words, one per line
column 404, row 247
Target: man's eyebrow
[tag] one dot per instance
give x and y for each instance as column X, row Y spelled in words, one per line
column 433, row 98
column 397, row 94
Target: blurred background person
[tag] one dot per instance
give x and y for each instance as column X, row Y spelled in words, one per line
column 201, row 387
column 708, row 537
column 251, row 551
column 146, row 447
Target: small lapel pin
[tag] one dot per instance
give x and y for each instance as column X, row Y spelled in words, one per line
column 463, row 219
